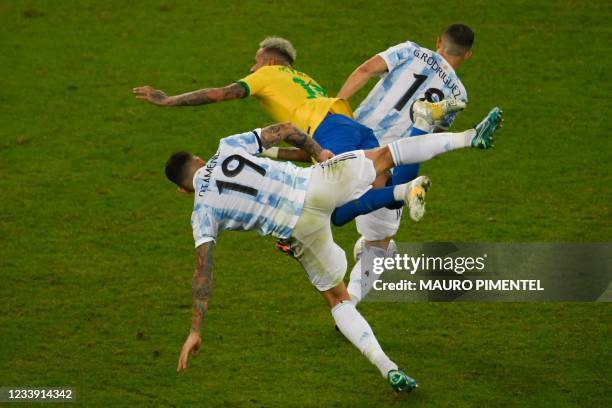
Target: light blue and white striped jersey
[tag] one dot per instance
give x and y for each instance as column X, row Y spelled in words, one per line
column 237, row 190
column 413, row 72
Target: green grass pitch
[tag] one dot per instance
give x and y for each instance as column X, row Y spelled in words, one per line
column 96, row 253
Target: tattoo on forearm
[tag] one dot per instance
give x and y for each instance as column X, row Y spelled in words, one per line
column 201, row 285
column 301, row 140
column 233, row 91
column 209, row 95
column 158, row 96
column 273, row 134
column 192, row 98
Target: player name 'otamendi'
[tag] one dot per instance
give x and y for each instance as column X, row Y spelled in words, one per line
column 461, row 284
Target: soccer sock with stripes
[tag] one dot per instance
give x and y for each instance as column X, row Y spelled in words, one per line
column 357, row 330
column 422, row 148
column 354, row 285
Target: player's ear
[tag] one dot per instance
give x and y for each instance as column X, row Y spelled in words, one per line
column 438, row 43
column 467, row 55
column 182, row 190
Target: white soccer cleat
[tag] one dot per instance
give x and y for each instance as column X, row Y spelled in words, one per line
column 432, row 112
column 415, row 199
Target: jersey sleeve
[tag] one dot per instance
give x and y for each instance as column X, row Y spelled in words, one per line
column 397, row 54
column 249, row 142
column 204, row 225
column 255, row 82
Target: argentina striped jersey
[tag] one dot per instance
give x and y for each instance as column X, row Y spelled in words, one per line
column 236, row 190
column 413, row 72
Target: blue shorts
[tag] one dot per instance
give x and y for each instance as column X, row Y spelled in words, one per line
column 341, row 134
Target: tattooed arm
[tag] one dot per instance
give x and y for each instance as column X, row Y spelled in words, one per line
column 274, row 134
column 293, row 154
column 200, row 97
column 201, row 287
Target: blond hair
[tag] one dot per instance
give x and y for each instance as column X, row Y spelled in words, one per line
column 280, row 47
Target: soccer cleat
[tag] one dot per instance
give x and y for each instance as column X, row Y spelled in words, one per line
column 415, row 199
column 434, row 111
column 400, row 381
column 284, row 245
column 485, row 129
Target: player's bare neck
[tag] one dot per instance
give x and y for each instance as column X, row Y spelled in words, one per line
column 453, row 61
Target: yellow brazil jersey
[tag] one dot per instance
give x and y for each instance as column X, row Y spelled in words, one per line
column 292, row 96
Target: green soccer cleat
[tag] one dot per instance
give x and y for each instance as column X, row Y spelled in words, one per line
column 415, row 199
column 486, row 128
column 400, row 381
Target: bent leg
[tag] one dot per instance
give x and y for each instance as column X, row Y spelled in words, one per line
column 418, row 149
column 356, row 329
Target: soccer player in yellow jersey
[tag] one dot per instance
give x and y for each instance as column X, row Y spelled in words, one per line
column 289, row 95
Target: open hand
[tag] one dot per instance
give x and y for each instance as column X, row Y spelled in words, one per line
column 191, row 346
column 147, row 93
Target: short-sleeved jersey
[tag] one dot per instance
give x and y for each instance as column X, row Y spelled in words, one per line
column 413, row 73
column 289, row 95
column 237, row 190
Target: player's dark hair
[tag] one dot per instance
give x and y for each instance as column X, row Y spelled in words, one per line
column 461, row 37
column 177, row 167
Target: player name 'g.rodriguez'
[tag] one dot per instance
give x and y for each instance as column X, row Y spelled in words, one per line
column 438, row 70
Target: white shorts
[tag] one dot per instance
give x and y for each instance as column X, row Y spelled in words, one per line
column 332, row 183
column 379, row 224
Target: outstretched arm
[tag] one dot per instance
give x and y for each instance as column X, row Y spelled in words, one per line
column 200, row 97
column 201, row 288
column 274, row 134
column 373, row 67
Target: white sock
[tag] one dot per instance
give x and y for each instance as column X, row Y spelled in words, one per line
column 418, row 149
column 400, row 191
column 354, row 286
column 355, row 328
column 361, row 281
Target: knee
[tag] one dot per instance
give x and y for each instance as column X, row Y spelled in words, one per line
column 381, row 157
column 382, row 179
